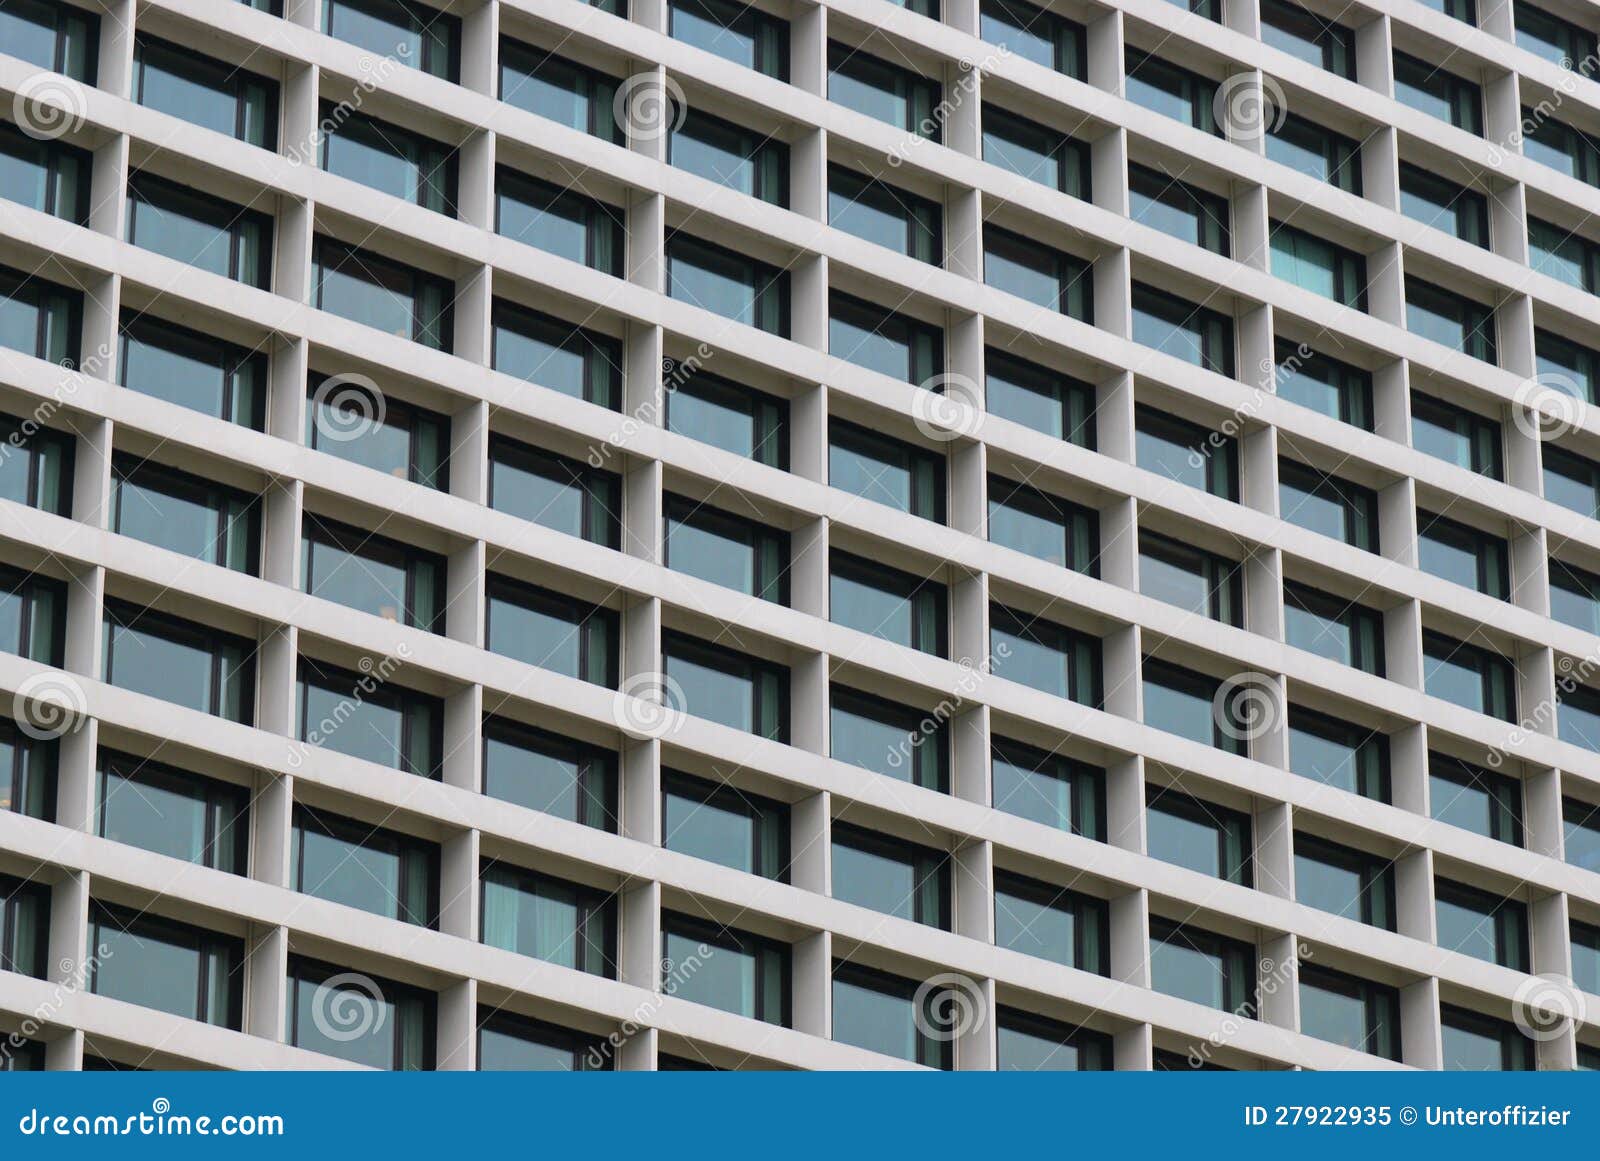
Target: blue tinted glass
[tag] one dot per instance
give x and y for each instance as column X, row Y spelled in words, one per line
column 175, row 522
column 535, row 636
column 728, row 698
column 143, row 969
column 359, row 728
column 1181, row 971
column 1315, row 633
column 341, row 871
column 869, row 1019
column 1327, row 887
column 170, row 670
column 1323, row 759
column 710, row 555
column 356, row 580
column 1188, row 842
column 1034, row 929
column 876, row 881
column 1179, row 711
column 709, row 831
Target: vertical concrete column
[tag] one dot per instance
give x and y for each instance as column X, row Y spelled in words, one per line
column 973, row 878
column 281, row 512
column 1380, row 165
column 809, row 700
column 963, row 234
column 808, row 568
column 466, row 597
column 1125, row 814
column 1262, row 571
column 1397, row 522
column 963, row 93
column 469, row 452
column 1539, row 685
column 115, row 72
column 266, row 1002
column 288, row 368
column 1508, row 221
column 458, row 1027
column 1408, row 768
column 1130, row 938
column 65, row 1052
column 1550, row 940
column 91, row 472
column 77, row 766
column 641, row 509
column 1502, row 109
column 1391, row 401
column 1386, row 283
column 1105, row 48
column 1375, row 56
column 808, row 48
column 272, row 828
column 813, row 985
column 1420, row 1042
column 640, row 1051
column 808, row 434
column 85, row 610
column 639, row 958
column 1542, row 813
column 971, row 746
column 808, row 175
column 463, row 744
column 1513, row 320
column 1121, row 655
column 977, row 1047
column 474, row 314
column 1530, row 564
column 480, row 48
column 1113, row 414
column 1252, row 229
column 1413, row 891
column 1278, row 981
column 640, row 776
column 69, row 929
column 459, row 858
column 1133, row 1049
column 1258, row 465
column 808, row 301
column 1274, row 853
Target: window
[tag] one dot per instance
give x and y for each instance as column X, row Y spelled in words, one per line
column 1566, row 366
column 879, row 1012
column 1048, row 788
column 1184, row 702
column 898, row 878
column 728, row 284
column 1177, row 327
column 746, row 36
column 1186, row 452
column 171, row 967
column 193, row 370
column 555, row 491
column 1463, row 10
column 876, row 467
column 885, row 215
column 559, row 221
column 1338, row 753
column 1356, row 1013
column 1201, row 836
column 1581, row 828
column 1328, row 505
column 1344, row 881
column 21, row 1055
column 372, row 574
column 1333, row 627
column 59, row 37
column 1320, row 154
column 885, row 92
column 1043, row 526
column 366, row 867
column 883, row 340
column 533, row 914
column 884, row 602
column 730, row 416
column 726, row 550
column 27, row 772
column 422, row 37
column 1320, row 266
column 1470, row 677
column 1455, row 435
column 1040, row 275
column 1564, row 254
column 1174, row 92
column 172, row 812
column 1034, row 34
column 345, row 419
column 382, row 156
column 553, row 353
column 1038, row 398
column 1461, row 323
column 1481, row 1043
column 1044, row 656
column 184, row 513
column 889, row 739
column 1558, row 145
column 1444, row 205
column 39, row 318
column 1481, row 925
column 398, row 1036
column 1574, row 596
column 512, row 1043
column 1030, row 1043
column 1036, row 152
column 742, row 159
column 1050, row 922
column 1578, row 719
column 1431, row 90
column 45, row 175
column 1556, row 40
column 38, row 472
column 551, row 86
column 1463, row 555
column 179, row 661
column 1202, row 967
column 546, row 772
column 33, row 616
column 724, row 824
column 729, row 688
column 25, row 925
column 1191, row 578
column 392, row 726
column 404, row 302
column 1475, row 799
column 1184, row 211
column 1314, row 39
column 552, row 631
column 209, row 93
column 741, row 973
column 1572, row 481
column 1585, row 941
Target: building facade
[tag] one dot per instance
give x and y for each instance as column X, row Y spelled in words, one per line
column 680, row 534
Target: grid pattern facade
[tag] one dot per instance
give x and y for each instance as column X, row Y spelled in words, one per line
column 1172, row 964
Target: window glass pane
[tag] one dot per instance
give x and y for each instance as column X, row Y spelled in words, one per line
column 714, row 830
column 867, row 1018
column 714, row 693
column 1177, row 836
column 875, row 880
column 1025, row 924
column 145, row 661
column 1188, row 973
column 359, row 728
